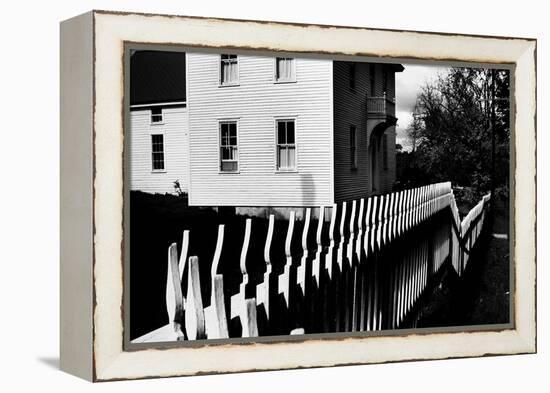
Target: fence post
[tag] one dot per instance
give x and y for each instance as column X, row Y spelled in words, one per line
column 315, row 306
column 340, row 288
column 175, row 301
column 364, row 264
column 239, row 305
column 250, row 327
column 283, row 280
column 216, row 319
column 373, row 223
column 360, row 224
column 340, row 251
column 351, row 242
column 332, row 244
column 284, row 284
column 301, row 300
column 301, row 271
column 194, row 316
column 409, row 209
column 174, row 296
column 328, row 274
column 350, row 272
column 263, row 292
column 316, row 264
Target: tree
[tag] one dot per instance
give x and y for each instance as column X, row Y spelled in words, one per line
column 455, row 119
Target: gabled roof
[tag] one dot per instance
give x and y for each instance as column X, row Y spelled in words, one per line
column 157, row 77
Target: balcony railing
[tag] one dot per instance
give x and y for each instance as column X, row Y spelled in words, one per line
column 380, row 106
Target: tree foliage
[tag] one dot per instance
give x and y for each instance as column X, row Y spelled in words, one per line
column 454, row 119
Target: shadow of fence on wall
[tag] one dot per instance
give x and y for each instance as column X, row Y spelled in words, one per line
column 357, row 266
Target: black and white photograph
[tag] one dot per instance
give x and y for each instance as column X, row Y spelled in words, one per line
column 259, row 197
column 273, row 194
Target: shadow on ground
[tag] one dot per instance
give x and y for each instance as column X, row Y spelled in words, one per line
column 52, row 362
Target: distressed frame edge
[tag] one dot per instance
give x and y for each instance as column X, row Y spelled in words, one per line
column 76, row 207
column 528, row 340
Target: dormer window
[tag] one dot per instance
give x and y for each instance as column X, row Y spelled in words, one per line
column 156, row 116
column 285, row 69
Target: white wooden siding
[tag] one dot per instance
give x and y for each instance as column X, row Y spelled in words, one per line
column 350, row 109
column 256, row 103
column 175, row 131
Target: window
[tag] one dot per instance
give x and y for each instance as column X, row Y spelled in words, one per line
column 157, row 152
column 229, row 151
column 285, row 70
column 156, row 115
column 372, row 72
column 353, row 146
column 385, row 150
column 286, row 145
column 352, row 76
column 229, row 70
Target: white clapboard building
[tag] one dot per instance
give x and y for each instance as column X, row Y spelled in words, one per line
column 257, row 131
column 159, row 122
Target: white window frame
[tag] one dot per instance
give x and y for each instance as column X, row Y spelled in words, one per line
column 226, row 121
column 281, row 81
column 153, row 170
column 276, row 152
column 221, row 82
column 155, row 123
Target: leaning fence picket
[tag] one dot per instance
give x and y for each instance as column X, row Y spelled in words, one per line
column 215, row 315
column 194, row 312
column 263, row 294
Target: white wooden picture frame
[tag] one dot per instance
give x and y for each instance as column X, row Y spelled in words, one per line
column 93, row 345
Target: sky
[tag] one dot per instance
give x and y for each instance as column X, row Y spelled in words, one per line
column 407, row 86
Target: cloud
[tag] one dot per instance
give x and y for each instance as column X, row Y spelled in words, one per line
column 407, row 87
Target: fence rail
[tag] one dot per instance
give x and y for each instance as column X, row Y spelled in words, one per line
column 359, row 266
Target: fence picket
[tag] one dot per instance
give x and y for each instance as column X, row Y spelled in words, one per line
column 328, row 291
column 301, row 271
column 284, row 278
column 316, row 264
column 174, row 296
column 194, row 315
column 215, row 316
column 238, row 307
column 263, row 288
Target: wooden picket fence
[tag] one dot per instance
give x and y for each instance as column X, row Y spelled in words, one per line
column 362, row 266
